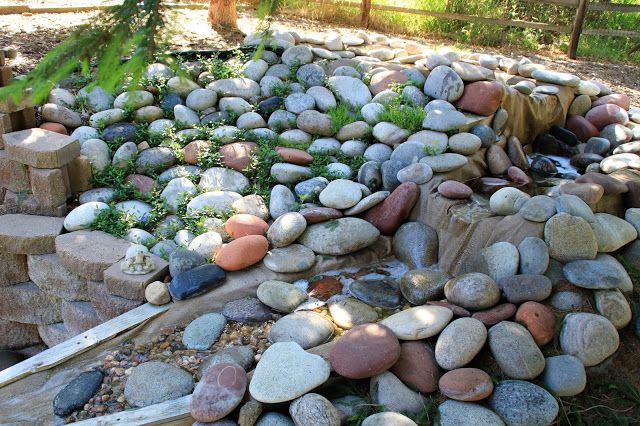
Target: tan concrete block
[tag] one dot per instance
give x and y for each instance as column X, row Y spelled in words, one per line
column 132, row 286
column 15, row 335
column 13, row 175
column 47, row 186
column 23, row 119
column 27, row 234
column 5, row 126
column 79, row 317
column 48, row 273
column 108, row 306
column 26, row 303
column 9, row 105
column 26, row 203
column 6, row 74
column 67, row 181
column 13, row 269
column 89, row 253
column 53, row 334
column 41, row 148
column 79, row 170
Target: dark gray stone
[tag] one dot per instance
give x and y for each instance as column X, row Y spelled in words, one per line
column 196, row 281
column 247, row 310
column 182, row 260
column 485, row 133
column 523, row 403
column 124, row 131
column 73, row 396
column 376, row 293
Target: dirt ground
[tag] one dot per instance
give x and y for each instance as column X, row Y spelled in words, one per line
column 34, row 35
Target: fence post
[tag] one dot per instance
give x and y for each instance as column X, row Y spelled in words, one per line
column 364, row 17
column 577, row 28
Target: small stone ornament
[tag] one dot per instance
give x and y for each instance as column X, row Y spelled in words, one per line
column 139, row 264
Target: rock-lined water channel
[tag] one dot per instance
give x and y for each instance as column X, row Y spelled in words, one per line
column 321, row 147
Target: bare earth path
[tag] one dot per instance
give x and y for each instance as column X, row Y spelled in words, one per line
column 34, row 35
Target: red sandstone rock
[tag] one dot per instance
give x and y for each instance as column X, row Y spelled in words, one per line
column 365, row 351
column 481, row 97
column 324, row 288
column 466, row 384
column 54, row 127
column 241, row 225
column 539, row 320
column 590, row 193
column 395, row 209
column 581, row 127
column 237, row 155
column 518, row 176
column 294, row 156
column 242, row 253
column 144, row 184
column 417, row 367
column 605, row 114
column 619, row 99
column 219, row 392
column 496, row 314
column 193, row 150
column 382, row 81
column 320, row 214
column 454, row 189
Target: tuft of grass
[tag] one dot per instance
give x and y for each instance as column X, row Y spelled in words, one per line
column 114, row 222
column 321, row 161
column 341, row 115
column 114, row 177
column 408, row 117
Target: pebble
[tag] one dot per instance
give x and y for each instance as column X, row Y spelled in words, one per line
column 394, row 210
column 515, row 351
column 350, row 312
column 564, row 375
column 612, row 305
column 496, row 314
column 507, row 201
column 285, row 372
column 157, row 293
column 473, row 291
column 241, row 355
column 387, row 390
column 218, row 393
column 341, row 194
column 419, row 322
column 454, row 413
column 388, row 418
column 539, row 320
column 293, row 258
column 591, row 338
column 522, row 288
column 281, row 296
column 460, row 342
column 570, row 238
column 416, row 244
column 314, row 409
column 421, row 285
column 286, row 229
column 339, row 236
column 376, row 293
column 77, row 393
column 595, row 274
column 247, row 310
column 522, row 403
column 242, row 252
column 454, row 190
column 155, row 382
column 534, row 256
column 357, row 354
column 195, row 281
column 308, row 329
column 204, row 331
column 466, row 384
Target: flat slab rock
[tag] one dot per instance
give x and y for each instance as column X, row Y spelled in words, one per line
column 132, row 286
column 28, row 234
column 90, row 253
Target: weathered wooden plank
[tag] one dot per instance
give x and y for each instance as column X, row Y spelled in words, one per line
column 157, row 414
column 614, row 7
column 611, row 33
column 80, row 343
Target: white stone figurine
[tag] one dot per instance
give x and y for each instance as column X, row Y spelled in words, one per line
column 139, row 264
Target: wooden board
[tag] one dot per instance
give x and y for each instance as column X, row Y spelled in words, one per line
column 81, row 343
column 157, row 414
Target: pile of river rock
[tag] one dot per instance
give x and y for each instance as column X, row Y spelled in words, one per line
column 424, row 332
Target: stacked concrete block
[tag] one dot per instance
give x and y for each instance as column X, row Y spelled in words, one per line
column 14, row 115
column 39, row 171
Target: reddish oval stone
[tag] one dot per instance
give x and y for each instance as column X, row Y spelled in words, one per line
column 364, row 351
column 294, row 156
column 320, row 214
column 518, row 176
column 539, row 320
column 454, row 189
column 382, row 80
column 395, row 209
column 54, row 127
column 237, row 155
column 144, row 184
column 611, row 186
column 605, row 114
column 417, row 367
column 590, row 193
column 620, row 99
column 193, row 150
column 581, row 127
column 219, row 392
column 458, row 311
column 324, row 288
column 496, row 314
column 466, row 384
column 243, row 224
column 481, row 97
column 242, row 253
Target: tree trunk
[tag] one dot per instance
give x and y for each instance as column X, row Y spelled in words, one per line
column 223, row 12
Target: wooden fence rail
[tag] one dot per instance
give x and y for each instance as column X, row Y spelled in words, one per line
column 581, row 6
